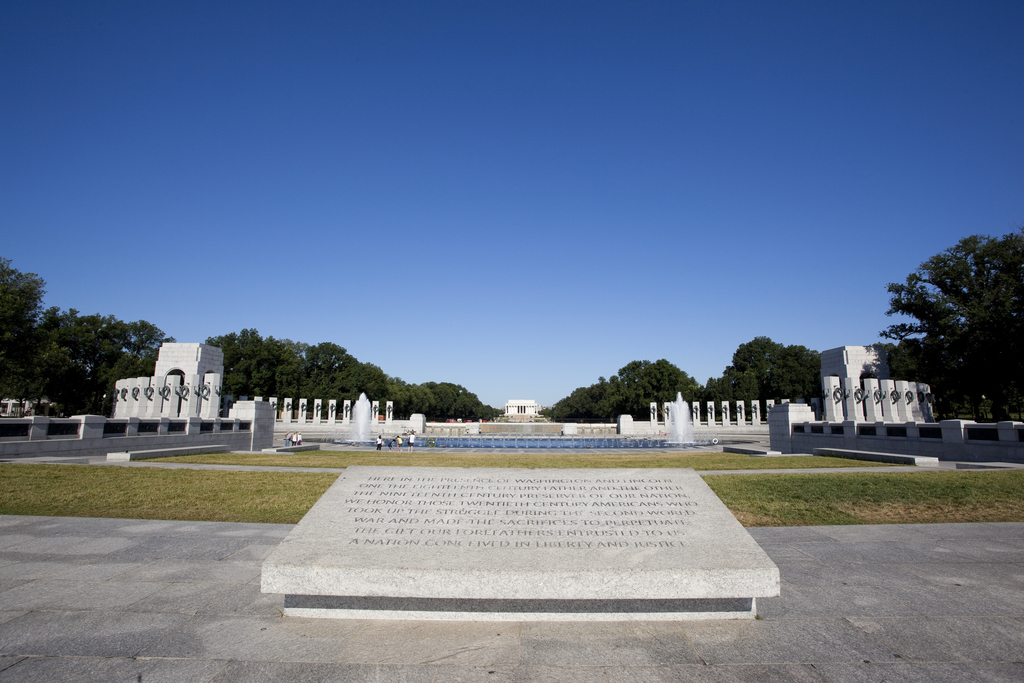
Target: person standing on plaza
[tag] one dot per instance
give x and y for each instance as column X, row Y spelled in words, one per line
column 288, row 439
column 380, row 441
column 398, row 441
column 412, row 440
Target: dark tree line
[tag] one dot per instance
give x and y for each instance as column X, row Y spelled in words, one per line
column 258, row 366
column 71, row 359
column 966, row 331
column 761, row 369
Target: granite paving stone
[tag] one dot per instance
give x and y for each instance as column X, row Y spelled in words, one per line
column 177, row 569
column 761, row 673
column 265, row 639
column 850, row 574
column 180, row 601
column 522, row 674
column 98, row 595
column 7, row 661
column 99, row 569
column 826, row 601
column 606, row 643
column 69, row 545
column 947, row 601
column 204, row 597
column 877, row 552
column 473, row 643
column 784, row 640
column 906, row 672
column 185, row 547
column 298, row 672
column 101, row 634
column 954, row 639
column 1005, row 575
column 110, row 669
column 37, row 569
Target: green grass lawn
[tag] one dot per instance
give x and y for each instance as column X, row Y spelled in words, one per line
column 873, row 498
column 432, row 458
column 284, row 497
column 150, row 493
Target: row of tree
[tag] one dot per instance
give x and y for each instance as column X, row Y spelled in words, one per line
column 71, row 359
column 965, row 335
column 761, row 369
column 258, row 366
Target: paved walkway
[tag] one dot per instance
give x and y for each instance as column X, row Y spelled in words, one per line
column 129, row 600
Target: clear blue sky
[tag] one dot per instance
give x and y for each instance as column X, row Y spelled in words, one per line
column 516, row 197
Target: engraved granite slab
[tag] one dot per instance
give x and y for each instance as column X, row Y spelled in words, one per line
column 522, row 544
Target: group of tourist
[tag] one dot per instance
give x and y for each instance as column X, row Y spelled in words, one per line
column 293, row 439
column 396, row 442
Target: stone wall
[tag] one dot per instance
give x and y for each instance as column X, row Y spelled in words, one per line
column 250, row 428
column 794, row 430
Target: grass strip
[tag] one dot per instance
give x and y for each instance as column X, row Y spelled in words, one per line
column 284, row 497
column 150, row 493
column 429, row 458
column 875, row 498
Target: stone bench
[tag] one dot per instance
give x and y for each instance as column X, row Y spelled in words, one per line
column 122, row 456
column 878, row 457
column 293, row 449
column 752, row 452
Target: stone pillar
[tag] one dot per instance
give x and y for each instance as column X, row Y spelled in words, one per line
column 151, row 399
column 287, row 415
column 332, row 412
column 210, row 395
column 833, row 398
column 695, row 413
column 816, row 407
column 890, row 396
column 755, row 412
column 92, row 426
column 302, row 411
column 768, row 405
column 926, row 405
column 389, row 412
column 625, row 427
column 318, row 406
column 741, row 414
column 347, row 414
column 654, row 416
column 872, row 400
column 917, row 403
column 851, row 408
column 780, row 425
column 711, row 413
column 191, row 398
column 666, row 413
column 726, row 419
column 903, row 405
column 374, row 414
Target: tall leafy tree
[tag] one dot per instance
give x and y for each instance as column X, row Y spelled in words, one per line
column 21, row 304
column 966, row 329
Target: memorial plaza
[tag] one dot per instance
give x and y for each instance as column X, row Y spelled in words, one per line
column 89, row 599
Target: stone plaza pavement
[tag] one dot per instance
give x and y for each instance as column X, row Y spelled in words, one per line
column 132, row 600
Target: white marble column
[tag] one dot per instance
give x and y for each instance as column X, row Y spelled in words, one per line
column 872, row 400
column 833, row 399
